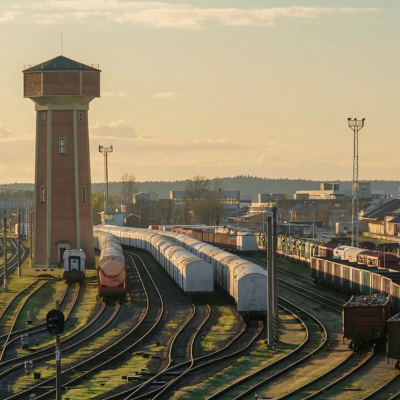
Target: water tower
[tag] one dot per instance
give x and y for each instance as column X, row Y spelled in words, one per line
column 62, row 89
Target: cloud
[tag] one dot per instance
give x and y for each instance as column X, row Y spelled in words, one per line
column 114, row 130
column 167, row 15
column 114, row 94
column 8, row 16
column 165, row 95
column 4, row 131
column 7, row 136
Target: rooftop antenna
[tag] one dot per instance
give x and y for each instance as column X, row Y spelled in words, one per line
column 62, row 46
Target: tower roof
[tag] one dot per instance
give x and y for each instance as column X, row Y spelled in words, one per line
column 60, row 63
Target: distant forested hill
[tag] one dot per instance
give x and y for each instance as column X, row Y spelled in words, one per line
column 248, row 185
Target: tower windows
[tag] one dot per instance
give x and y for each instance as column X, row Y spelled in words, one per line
column 43, row 116
column 83, row 194
column 62, row 146
column 42, row 194
column 80, row 116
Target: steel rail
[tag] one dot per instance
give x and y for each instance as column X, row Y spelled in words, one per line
column 382, row 388
column 31, row 328
column 315, row 300
column 34, row 330
column 5, row 345
column 341, row 379
column 295, row 391
column 10, row 302
column 51, row 347
column 120, row 342
column 178, row 378
column 284, row 370
column 212, row 354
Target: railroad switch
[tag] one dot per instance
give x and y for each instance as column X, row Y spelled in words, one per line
column 29, row 318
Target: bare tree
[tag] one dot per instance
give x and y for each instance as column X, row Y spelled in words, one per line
column 197, row 188
column 129, row 187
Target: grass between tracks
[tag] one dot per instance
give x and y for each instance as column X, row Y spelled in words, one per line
column 111, row 378
column 219, row 332
column 208, row 382
column 83, row 312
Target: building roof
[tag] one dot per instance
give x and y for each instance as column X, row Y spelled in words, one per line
column 379, row 213
column 60, row 63
column 395, row 220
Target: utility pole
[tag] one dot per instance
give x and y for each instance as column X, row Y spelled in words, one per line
column 5, row 251
column 270, row 286
column 355, row 124
column 19, row 241
column 105, row 151
column 275, row 269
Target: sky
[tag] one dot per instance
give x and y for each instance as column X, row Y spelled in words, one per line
column 214, row 88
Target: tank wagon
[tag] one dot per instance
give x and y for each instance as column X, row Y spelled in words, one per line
column 74, row 266
column 226, row 238
column 244, row 281
column 364, row 320
column 111, row 271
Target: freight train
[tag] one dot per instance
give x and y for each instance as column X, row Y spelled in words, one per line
column 111, row 271
column 244, row 281
column 372, row 277
column 227, row 238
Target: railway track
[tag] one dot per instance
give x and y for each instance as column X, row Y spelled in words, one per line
column 147, row 323
column 8, row 336
column 312, row 295
column 13, row 262
column 41, row 327
column 253, row 381
column 315, row 297
column 13, row 299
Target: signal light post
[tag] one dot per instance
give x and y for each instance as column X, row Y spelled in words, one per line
column 55, row 326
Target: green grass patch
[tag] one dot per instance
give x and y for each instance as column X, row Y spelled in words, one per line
column 218, row 333
column 293, row 334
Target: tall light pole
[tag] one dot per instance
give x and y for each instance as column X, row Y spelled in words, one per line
column 355, row 124
column 5, row 251
column 313, row 220
column 105, row 151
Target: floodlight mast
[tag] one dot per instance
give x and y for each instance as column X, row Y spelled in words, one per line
column 355, row 124
column 105, row 151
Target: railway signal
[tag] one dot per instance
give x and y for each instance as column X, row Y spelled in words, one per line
column 55, row 322
column 55, row 325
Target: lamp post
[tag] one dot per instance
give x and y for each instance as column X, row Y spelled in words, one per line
column 5, row 252
column 313, row 219
column 105, row 151
column 355, row 125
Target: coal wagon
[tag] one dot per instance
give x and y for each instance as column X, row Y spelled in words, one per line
column 364, row 320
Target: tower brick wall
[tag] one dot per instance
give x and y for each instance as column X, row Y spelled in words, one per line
column 62, row 90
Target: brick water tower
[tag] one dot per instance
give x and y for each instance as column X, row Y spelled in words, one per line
column 62, row 90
